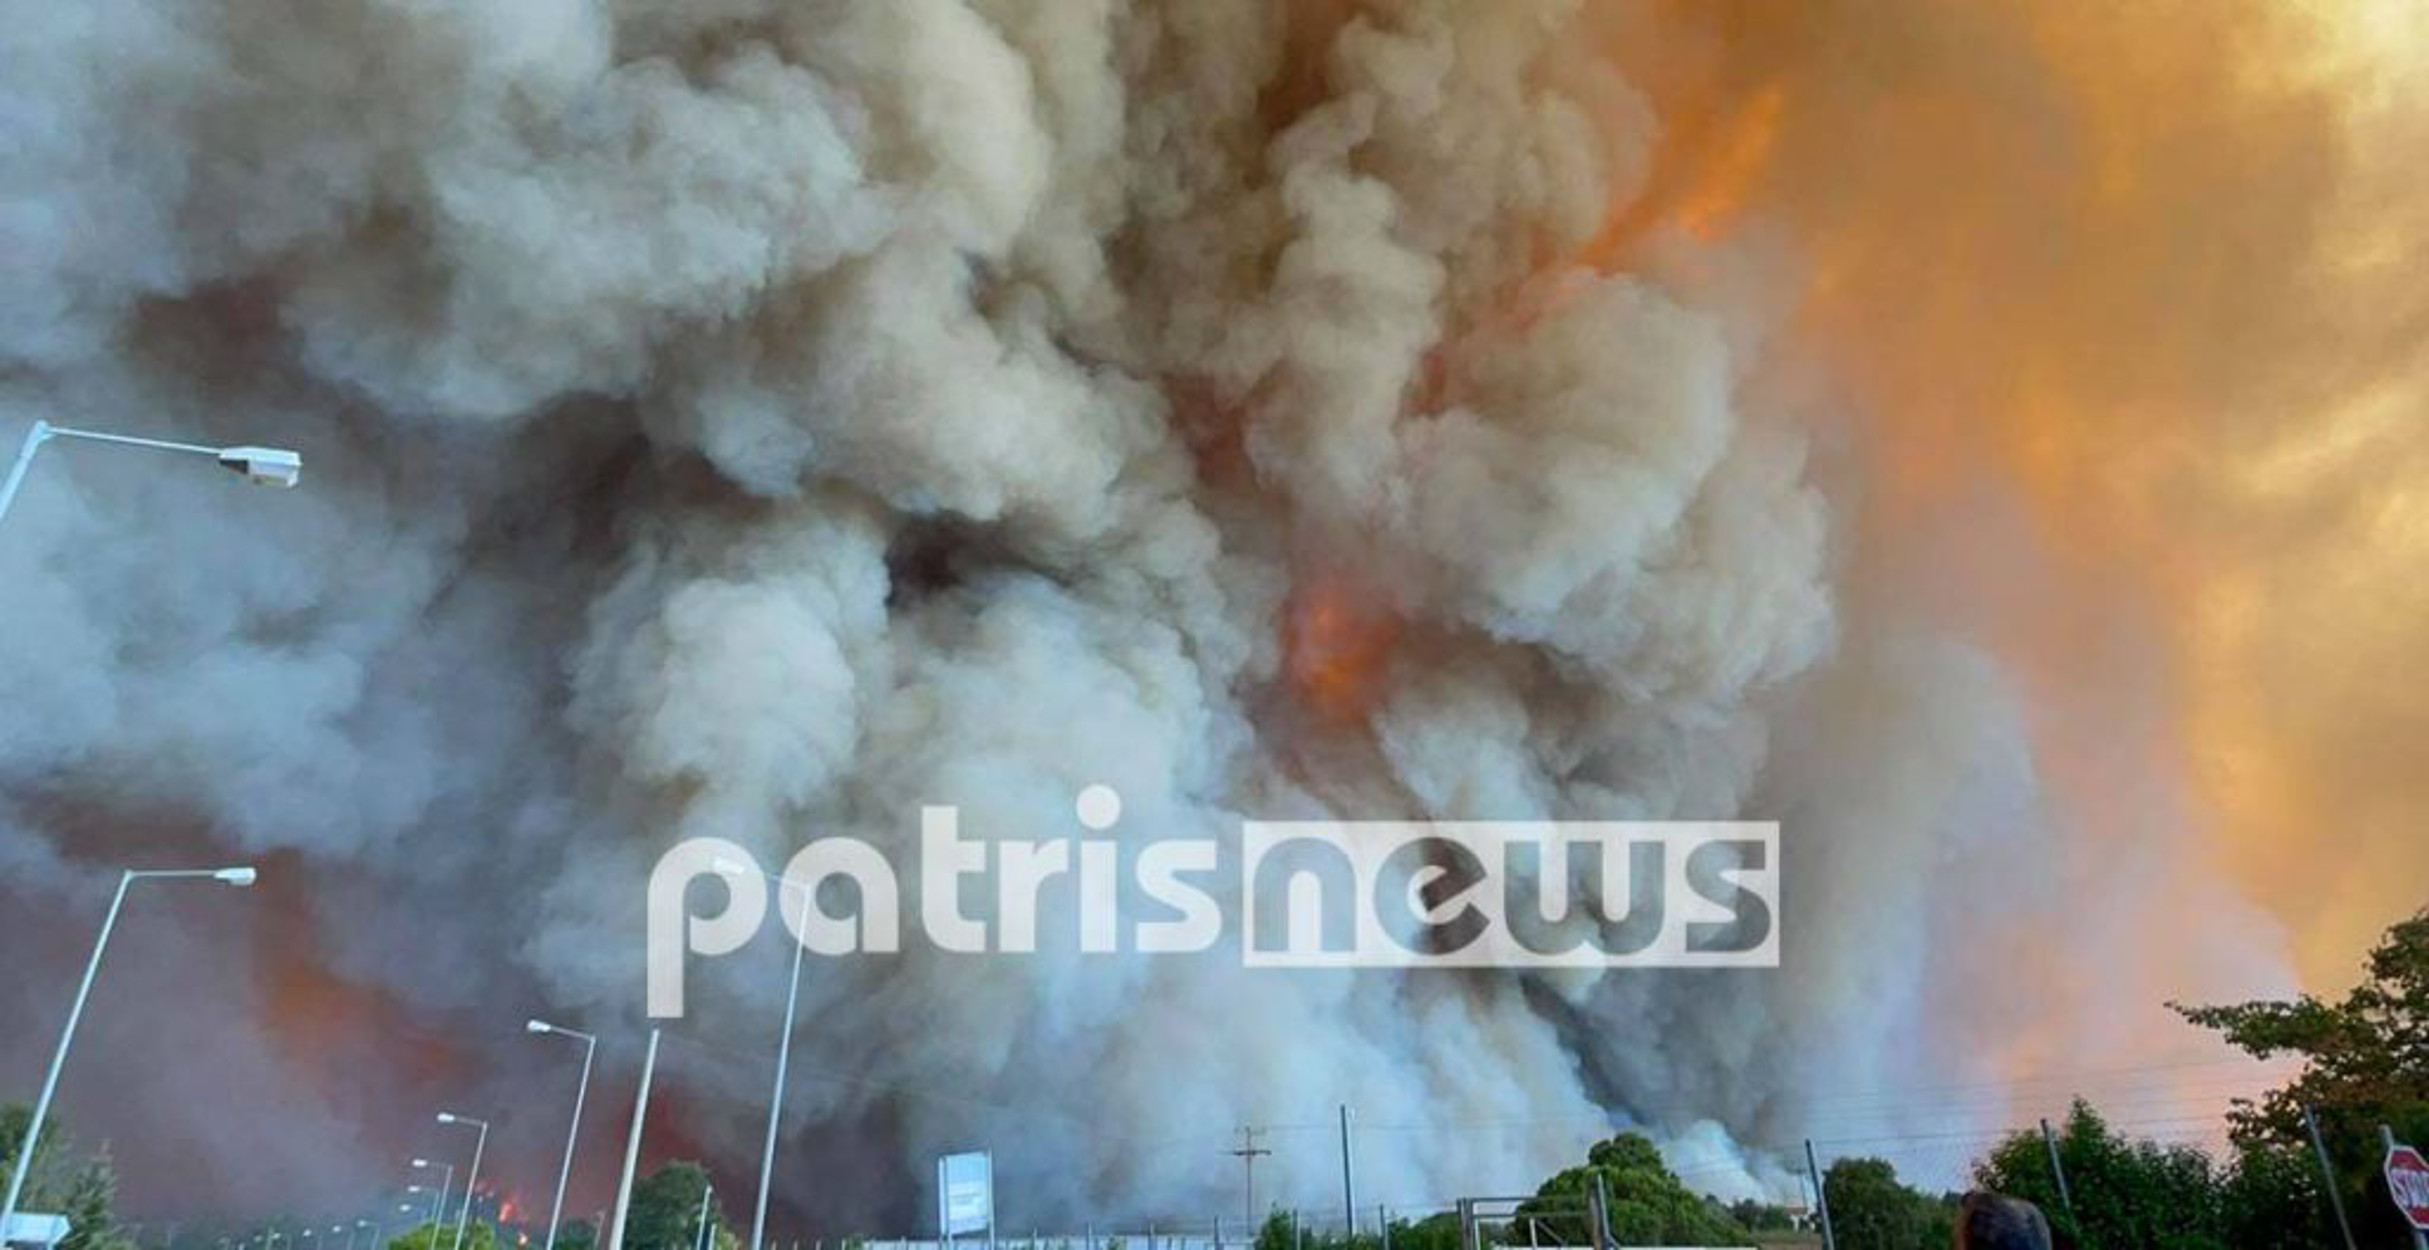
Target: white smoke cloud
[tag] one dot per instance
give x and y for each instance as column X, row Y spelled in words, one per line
column 752, row 420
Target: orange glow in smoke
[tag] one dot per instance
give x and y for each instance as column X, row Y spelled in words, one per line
column 331, row 1027
column 2123, row 308
column 1717, row 192
column 1711, row 161
column 1337, row 646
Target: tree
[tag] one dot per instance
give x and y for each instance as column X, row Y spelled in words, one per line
column 2126, row 1193
column 87, row 1203
column 441, row 1236
column 13, row 1121
column 2273, row 1200
column 1761, row 1217
column 1870, row 1208
column 665, row 1211
column 85, row 1190
column 2365, row 1063
column 1648, row 1205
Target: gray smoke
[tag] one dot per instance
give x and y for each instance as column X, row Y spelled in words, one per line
column 757, row 420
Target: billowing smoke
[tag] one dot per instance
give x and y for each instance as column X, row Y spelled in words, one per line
column 758, row 420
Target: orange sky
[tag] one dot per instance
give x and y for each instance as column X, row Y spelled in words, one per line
column 2150, row 278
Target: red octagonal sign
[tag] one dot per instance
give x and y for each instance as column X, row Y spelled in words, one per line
column 2408, row 1181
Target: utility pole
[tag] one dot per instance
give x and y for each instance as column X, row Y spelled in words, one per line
column 1349, row 1197
column 2057, row 1169
column 1821, row 1197
column 2327, row 1174
column 1247, row 1152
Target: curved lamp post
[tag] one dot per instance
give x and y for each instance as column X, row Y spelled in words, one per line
column 75, row 1014
column 266, row 466
column 438, row 1200
column 472, row 1179
column 784, row 1050
column 590, row 1047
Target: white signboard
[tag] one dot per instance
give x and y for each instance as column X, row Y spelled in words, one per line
column 965, row 1194
column 27, row 1229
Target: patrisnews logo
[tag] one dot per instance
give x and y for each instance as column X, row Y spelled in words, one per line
column 1510, row 894
column 1310, row 894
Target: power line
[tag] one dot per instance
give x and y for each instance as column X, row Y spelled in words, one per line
column 1248, row 1152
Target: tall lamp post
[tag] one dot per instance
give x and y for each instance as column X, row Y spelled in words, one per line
column 67, row 1036
column 268, row 466
column 590, row 1047
column 784, row 1052
column 438, row 1201
column 472, row 1179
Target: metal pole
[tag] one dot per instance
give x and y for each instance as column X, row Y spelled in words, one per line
column 438, row 1206
column 590, row 1047
column 632, row 1145
column 2057, row 1169
column 2386, row 1136
column 34, row 438
column 1349, row 1198
column 472, row 1181
column 2327, row 1172
column 700, row 1221
column 1821, row 1198
column 775, row 1102
column 1383, row 1221
column 84, row 990
column 130, row 440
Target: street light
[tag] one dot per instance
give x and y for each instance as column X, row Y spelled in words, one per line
column 438, row 1201
column 67, row 1036
column 784, row 1047
column 265, row 466
column 590, row 1046
column 472, row 1179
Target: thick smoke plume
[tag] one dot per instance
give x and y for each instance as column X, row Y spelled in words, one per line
column 757, row 420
